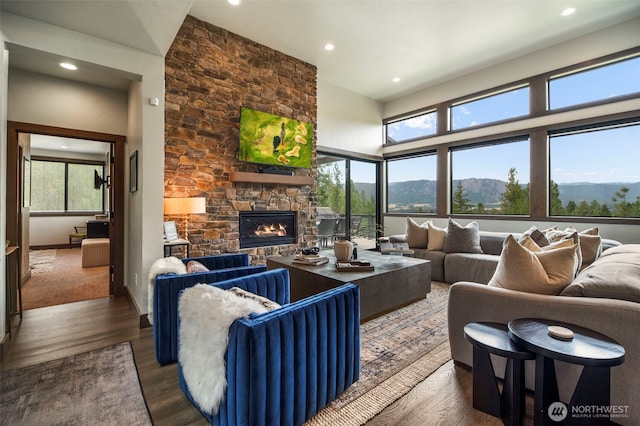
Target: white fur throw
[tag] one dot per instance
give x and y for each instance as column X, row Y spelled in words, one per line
column 206, row 313
column 164, row 265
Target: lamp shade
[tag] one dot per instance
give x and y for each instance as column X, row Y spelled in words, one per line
column 194, row 205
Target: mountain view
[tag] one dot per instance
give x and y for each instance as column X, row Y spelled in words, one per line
column 411, row 194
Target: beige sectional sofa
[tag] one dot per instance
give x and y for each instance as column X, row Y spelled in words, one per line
column 475, row 267
column 604, row 297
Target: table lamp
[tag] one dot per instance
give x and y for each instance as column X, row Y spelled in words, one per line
column 185, row 207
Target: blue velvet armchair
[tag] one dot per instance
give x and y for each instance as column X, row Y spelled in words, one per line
column 285, row 365
column 168, row 286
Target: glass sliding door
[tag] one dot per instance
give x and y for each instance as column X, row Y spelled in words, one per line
column 346, row 200
column 363, row 203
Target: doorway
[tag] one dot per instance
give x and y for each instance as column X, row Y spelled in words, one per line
column 18, row 205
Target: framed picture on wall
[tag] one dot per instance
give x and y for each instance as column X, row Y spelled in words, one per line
column 133, row 172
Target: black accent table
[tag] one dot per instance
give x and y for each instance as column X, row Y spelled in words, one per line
column 492, row 338
column 595, row 351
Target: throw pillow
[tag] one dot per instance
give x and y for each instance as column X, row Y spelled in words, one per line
column 530, row 244
column 195, row 266
column 462, row 239
column 536, row 235
column 590, row 242
column 417, row 235
column 269, row 304
column 543, row 272
column 436, row 237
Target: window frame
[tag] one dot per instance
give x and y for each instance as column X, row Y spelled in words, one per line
column 537, row 132
column 67, row 162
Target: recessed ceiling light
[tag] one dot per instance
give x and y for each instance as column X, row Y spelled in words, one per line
column 68, row 66
column 396, row 79
column 329, row 47
column 64, row 147
column 568, row 11
column 234, row 2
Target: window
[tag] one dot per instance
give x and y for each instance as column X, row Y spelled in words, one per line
column 491, row 108
column 595, row 172
column 604, row 82
column 411, row 184
column 64, row 186
column 491, row 178
column 411, row 128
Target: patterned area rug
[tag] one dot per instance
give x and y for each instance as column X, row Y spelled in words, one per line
column 398, row 351
column 91, row 388
column 41, row 260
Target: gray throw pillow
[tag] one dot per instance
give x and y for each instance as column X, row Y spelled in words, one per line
column 462, row 239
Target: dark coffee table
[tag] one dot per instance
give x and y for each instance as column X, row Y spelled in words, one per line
column 595, row 351
column 396, row 280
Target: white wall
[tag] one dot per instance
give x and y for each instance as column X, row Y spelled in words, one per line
column 4, row 73
column 41, row 99
column 348, row 121
column 146, row 135
column 600, row 43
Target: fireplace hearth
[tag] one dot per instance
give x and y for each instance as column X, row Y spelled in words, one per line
column 267, row 228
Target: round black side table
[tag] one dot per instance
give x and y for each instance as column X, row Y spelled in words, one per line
column 492, row 338
column 595, row 351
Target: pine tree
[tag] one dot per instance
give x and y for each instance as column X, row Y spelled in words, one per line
column 459, row 202
column 515, row 198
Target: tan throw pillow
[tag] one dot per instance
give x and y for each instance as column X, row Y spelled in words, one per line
column 462, row 239
column 269, row 304
column 436, row 237
column 542, row 272
column 417, row 235
column 195, row 266
column 529, row 243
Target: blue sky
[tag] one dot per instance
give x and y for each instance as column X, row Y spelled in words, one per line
column 603, row 156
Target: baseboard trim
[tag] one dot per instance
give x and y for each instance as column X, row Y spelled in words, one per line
column 143, row 319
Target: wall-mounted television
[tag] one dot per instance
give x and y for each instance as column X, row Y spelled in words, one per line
column 273, row 140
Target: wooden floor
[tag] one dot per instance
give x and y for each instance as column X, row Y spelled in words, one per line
column 58, row 331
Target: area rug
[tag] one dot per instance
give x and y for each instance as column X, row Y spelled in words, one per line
column 96, row 387
column 397, row 351
column 41, row 261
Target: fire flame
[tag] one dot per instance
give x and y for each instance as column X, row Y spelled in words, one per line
column 271, row 230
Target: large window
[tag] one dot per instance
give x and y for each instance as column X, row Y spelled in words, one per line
column 411, row 184
column 596, row 171
column 406, row 129
column 491, row 108
column 491, row 178
column 595, row 84
column 65, row 186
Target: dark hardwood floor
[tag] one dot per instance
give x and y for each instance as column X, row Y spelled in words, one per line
column 58, row 331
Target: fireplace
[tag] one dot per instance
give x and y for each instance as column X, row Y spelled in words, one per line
column 267, row 228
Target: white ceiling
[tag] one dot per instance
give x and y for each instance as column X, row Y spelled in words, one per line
column 423, row 42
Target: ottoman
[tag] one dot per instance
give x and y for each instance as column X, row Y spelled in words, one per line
column 95, row 252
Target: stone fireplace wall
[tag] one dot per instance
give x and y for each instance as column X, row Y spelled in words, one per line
column 209, row 74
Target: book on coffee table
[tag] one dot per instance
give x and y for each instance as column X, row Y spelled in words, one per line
column 310, row 259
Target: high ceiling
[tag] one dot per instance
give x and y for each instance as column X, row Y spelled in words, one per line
column 421, row 42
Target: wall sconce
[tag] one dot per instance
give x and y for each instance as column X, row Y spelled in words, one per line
column 185, row 207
